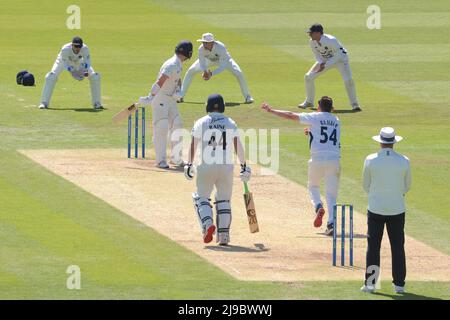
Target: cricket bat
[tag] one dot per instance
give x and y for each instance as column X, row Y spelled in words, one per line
column 250, row 207
column 124, row 113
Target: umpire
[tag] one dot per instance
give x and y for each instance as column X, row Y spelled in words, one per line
column 386, row 178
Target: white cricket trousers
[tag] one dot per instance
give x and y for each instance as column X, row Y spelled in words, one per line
column 344, row 70
column 232, row 66
column 215, row 175
column 166, row 121
column 328, row 170
column 52, row 77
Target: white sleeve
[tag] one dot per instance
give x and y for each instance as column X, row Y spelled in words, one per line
column 319, row 58
column 86, row 58
column 408, row 178
column 201, row 58
column 197, row 130
column 168, row 69
column 224, row 58
column 306, row 118
column 366, row 176
column 233, row 129
column 338, row 50
column 65, row 60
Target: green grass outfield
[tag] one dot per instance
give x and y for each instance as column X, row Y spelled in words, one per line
column 46, row 223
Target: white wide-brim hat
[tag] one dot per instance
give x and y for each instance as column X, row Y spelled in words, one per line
column 206, row 37
column 387, row 136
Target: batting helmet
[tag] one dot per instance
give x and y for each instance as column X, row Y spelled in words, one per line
column 20, row 75
column 184, row 48
column 25, row 78
column 28, row 80
column 215, row 103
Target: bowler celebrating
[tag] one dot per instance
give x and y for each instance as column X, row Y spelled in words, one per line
column 214, row 53
column 324, row 141
column 74, row 57
column 329, row 53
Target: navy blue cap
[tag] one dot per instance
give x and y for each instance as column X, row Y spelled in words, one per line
column 77, row 40
column 215, row 103
column 316, row 27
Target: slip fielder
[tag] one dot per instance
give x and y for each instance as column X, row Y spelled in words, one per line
column 75, row 58
column 214, row 53
column 217, row 135
column 329, row 53
column 324, row 131
column 163, row 99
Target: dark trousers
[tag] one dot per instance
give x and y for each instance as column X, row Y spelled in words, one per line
column 395, row 228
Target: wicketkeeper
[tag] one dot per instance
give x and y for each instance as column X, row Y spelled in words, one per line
column 74, row 57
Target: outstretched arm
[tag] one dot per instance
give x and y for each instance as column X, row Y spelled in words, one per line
column 280, row 113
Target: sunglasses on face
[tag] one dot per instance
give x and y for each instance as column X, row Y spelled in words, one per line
column 77, row 46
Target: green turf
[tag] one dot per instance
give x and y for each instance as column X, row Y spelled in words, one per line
column 46, row 223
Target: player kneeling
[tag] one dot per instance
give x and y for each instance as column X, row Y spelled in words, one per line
column 214, row 132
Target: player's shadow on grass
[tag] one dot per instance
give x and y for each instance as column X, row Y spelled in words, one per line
column 78, row 109
column 227, row 104
column 345, row 111
column 405, row 296
column 231, row 248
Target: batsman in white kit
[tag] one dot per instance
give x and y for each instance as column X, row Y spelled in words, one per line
column 329, row 53
column 163, row 99
column 214, row 53
column 217, row 135
column 324, row 131
column 75, row 58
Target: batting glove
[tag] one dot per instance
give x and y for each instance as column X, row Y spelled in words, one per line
column 245, row 173
column 146, row 100
column 189, row 171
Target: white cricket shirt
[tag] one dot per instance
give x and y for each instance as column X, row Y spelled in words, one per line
column 386, row 178
column 79, row 61
column 216, row 133
column 218, row 55
column 171, row 68
column 329, row 50
column 324, row 135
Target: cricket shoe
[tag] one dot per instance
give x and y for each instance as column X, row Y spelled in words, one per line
column 329, row 230
column 399, row 289
column 180, row 163
column 249, row 99
column 356, row 107
column 368, row 289
column 320, row 212
column 43, row 105
column 180, row 100
column 223, row 238
column 98, row 106
column 208, row 234
column 305, row 105
column 162, row 165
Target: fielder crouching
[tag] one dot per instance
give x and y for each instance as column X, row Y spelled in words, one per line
column 216, row 134
column 75, row 58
